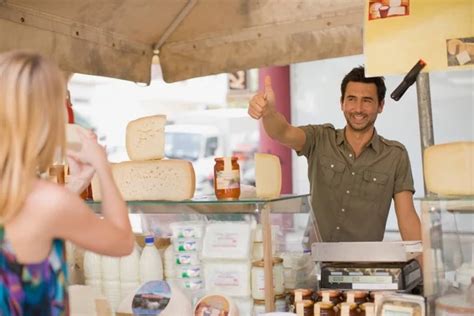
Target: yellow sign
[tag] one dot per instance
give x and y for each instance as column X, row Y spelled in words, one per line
column 397, row 33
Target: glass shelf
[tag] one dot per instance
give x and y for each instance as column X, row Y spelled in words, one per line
column 456, row 204
column 288, row 204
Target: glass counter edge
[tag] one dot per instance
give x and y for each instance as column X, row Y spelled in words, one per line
column 212, row 200
column 440, row 198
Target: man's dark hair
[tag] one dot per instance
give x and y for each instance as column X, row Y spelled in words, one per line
column 357, row 75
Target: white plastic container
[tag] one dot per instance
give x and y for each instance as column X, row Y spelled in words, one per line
column 187, row 229
column 188, row 272
column 168, row 263
column 186, row 258
column 186, row 245
column 151, row 266
column 191, row 284
column 110, row 268
column 229, row 277
column 92, row 266
column 130, row 267
column 227, row 240
column 111, row 291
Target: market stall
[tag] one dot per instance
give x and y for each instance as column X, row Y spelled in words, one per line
column 120, row 39
column 192, row 38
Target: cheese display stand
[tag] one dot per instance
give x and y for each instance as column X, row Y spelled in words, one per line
column 448, row 252
column 232, row 248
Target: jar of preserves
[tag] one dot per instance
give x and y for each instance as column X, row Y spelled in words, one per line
column 367, row 309
column 305, row 308
column 299, row 294
column 332, row 296
column 347, row 309
column 324, row 309
column 358, row 297
column 258, row 278
column 227, row 178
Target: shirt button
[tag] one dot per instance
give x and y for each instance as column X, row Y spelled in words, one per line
column 375, row 179
column 350, row 155
column 337, row 228
column 348, row 191
column 353, row 173
column 332, row 166
column 343, row 210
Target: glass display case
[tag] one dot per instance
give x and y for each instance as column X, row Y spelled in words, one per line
column 448, row 254
column 291, row 215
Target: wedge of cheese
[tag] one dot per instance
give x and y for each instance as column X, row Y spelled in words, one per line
column 145, row 138
column 267, row 176
column 170, row 180
column 449, row 168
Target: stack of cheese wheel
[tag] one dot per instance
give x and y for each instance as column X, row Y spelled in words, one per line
column 148, row 176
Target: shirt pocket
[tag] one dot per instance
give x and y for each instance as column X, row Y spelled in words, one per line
column 332, row 171
column 374, row 184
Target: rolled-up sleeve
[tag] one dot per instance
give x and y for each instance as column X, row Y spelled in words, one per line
column 403, row 175
column 310, row 144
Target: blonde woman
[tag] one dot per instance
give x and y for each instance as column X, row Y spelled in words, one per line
column 36, row 216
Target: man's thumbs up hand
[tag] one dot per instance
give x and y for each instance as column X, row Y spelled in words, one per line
column 263, row 102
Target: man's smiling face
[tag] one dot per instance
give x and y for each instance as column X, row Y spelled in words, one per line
column 361, row 105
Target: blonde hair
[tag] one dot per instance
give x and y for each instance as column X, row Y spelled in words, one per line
column 32, row 124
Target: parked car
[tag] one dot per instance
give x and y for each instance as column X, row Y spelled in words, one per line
column 199, row 144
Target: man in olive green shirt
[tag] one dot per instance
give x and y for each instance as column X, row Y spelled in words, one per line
column 354, row 173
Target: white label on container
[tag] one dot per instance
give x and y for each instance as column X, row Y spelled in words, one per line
column 228, row 180
column 185, row 245
column 191, row 272
column 225, row 240
column 227, row 279
column 186, row 259
column 186, row 232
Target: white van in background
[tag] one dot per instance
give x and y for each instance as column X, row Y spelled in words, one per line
column 199, row 144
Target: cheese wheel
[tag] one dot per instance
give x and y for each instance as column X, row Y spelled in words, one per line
column 169, row 179
column 267, row 176
column 449, row 168
column 145, row 138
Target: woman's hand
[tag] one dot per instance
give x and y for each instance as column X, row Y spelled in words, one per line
column 84, row 163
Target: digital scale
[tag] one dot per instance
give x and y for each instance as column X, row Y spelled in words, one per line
column 369, row 265
column 399, row 276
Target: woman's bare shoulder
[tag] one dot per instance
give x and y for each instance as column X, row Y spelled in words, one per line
column 46, row 196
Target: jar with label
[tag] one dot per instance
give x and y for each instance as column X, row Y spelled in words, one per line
column 324, row 309
column 332, row 296
column 227, row 178
column 305, row 308
column 305, row 294
column 347, row 309
column 258, row 278
column 367, row 309
column 358, row 297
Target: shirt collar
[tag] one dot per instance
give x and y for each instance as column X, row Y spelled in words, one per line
column 374, row 141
